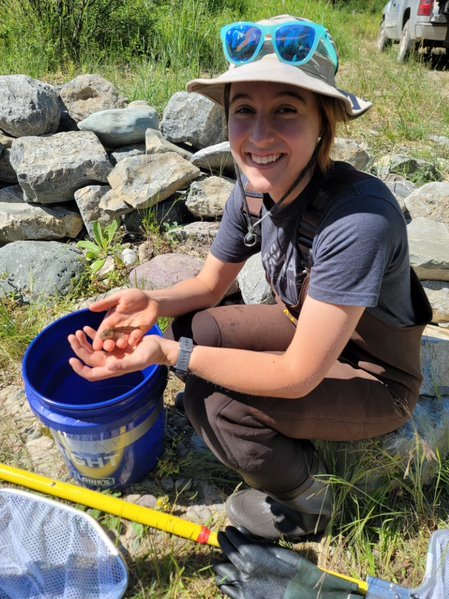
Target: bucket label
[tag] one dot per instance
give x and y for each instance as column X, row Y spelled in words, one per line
column 98, row 461
column 95, row 458
column 105, row 483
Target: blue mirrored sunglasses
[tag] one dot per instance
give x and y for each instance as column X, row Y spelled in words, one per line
column 294, row 42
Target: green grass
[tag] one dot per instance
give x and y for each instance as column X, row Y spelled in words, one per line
column 18, row 326
column 383, row 532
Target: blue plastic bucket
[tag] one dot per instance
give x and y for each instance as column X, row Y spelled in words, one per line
column 111, row 432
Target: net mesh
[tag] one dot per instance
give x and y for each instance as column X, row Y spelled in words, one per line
column 49, row 550
column 436, row 580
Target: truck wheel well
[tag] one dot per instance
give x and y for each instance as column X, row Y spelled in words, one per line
column 406, row 17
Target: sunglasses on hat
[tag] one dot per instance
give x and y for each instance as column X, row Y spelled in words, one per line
column 294, row 42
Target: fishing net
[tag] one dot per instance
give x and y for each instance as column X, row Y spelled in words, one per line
column 436, row 579
column 50, row 550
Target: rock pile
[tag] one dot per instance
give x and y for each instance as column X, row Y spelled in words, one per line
column 81, row 153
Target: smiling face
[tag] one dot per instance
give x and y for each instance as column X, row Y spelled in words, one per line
column 273, row 131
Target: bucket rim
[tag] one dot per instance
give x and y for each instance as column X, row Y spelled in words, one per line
column 148, row 373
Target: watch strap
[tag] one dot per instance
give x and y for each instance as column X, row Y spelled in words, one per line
column 185, row 351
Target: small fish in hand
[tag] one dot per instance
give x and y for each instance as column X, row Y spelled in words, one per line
column 115, row 332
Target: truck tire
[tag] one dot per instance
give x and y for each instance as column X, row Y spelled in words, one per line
column 406, row 44
column 383, row 42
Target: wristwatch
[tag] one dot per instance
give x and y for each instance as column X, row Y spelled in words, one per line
column 185, row 351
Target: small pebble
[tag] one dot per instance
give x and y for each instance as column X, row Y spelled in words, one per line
column 147, row 501
column 130, row 257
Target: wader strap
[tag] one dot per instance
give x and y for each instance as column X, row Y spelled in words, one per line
column 310, row 221
column 335, row 182
column 420, row 301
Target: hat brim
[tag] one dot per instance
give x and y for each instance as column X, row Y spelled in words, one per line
column 279, row 72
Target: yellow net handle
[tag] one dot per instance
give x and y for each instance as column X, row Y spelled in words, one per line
column 124, row 509
column 111, row 505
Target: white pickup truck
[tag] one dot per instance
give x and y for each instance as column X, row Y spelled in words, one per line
column 415, row 24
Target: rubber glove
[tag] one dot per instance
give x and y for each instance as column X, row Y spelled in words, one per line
column 261, row 571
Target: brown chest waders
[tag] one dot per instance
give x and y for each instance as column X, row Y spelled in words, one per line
column 370, row 391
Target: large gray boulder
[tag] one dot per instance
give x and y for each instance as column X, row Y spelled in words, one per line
column 165, row 271
column 155, row 143
column 434, row 362
column 31, row 269
column 193, row 119
column 429, row 248
column 350, row 151
column 27, row 106
column 114, row 205
column 51, row 169
column 215, row 159
column 87, row 94
column 117, row 127
column 423, row 438
column 199, row 233
column 88, row 201
column 142, row 181
column 400, row 188
column 126, row 151
column 253, row 283
column 430, row 201
column 22, row 221
column 207, row 198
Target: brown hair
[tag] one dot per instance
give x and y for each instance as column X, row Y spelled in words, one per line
column 332, row 111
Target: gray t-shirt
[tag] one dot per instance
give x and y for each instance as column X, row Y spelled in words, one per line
column 360, row 250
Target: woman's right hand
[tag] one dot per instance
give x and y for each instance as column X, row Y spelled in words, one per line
column 127, row 308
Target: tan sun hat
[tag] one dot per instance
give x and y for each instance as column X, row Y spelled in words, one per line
column 317, row 75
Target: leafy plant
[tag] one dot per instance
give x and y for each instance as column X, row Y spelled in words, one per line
column 104, row 244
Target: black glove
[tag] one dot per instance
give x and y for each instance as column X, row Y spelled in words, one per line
column 261, row 571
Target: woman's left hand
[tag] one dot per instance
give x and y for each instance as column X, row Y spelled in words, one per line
column 97, row 364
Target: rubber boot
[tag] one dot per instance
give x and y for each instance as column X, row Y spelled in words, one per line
column 304, row 512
